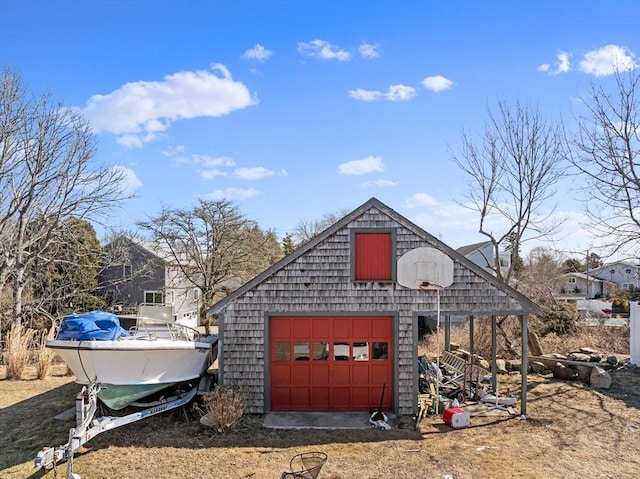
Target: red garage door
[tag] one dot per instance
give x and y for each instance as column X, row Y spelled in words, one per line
column 331, row 363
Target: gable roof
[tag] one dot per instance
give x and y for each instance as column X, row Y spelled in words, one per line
column 133, row 242
column 470, row 248
column 152, row 248
column 622, row 263
column 528, row 306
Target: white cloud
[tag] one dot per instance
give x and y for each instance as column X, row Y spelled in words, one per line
column 606, row 60
column 364, row 95
column 258, row 52
column 437, row 83
column 130, row 182
column 394, row 93
column 173, row 151
column 140, row 112
column 369, row 164
column 368, row 50
column 400, row 92
column 562, row 64
column 212, row 161
column 378, row 184
column 420, row 199
column 195, row 159
column 256, row 173
column 232, row 194
column 211, row 173
column 324, row 50
column 208, row 167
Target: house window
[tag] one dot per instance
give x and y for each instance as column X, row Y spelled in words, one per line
column 126, row 270
column 196, row 294
column 628, row 270
column 153, row 297
column 627, row 286
column 371, row 255
column 572, row 281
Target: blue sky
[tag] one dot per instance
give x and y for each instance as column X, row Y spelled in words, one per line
column 295, row 109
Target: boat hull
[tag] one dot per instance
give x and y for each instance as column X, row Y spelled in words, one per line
column 131, row 361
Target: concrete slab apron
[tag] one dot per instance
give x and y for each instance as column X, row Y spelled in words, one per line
column 320, row 420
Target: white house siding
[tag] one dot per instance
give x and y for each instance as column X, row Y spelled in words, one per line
column 318, row 282
column 181, row 292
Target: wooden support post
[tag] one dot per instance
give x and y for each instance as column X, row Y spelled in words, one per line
column 494, row 354
column 471, row 345
column 447, row 333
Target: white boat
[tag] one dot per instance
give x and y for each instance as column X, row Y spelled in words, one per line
column 131, row 365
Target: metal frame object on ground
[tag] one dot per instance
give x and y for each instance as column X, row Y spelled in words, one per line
column 87, row 427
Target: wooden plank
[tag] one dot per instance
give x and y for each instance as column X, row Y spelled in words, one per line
column 568, row 362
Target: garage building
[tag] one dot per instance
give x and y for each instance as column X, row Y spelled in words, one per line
column 327, row 327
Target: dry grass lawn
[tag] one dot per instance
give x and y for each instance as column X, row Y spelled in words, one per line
column 571, row 431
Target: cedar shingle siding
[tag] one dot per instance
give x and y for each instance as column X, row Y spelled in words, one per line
column 317, row 280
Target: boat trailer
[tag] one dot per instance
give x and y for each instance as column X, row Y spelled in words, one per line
column 88, row 427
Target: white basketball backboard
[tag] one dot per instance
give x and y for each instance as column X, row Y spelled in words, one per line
column 425, row 268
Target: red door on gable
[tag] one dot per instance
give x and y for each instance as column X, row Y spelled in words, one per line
column 331, row 363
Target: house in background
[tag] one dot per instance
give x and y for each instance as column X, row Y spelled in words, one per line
column 581, row 285
column 483, row 255
column 140, row 272
column 624, row 274
column 329, row 328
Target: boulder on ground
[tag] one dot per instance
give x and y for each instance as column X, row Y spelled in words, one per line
column 514, row 365
column 600, row 378
column 579, row 357
column 484, row 364
column 501, row 366
column 586, row 350
column 549, row 360
column 584, row 373
column 538, row 367
column 535, row 349
column 560, row 371
column 613, row 360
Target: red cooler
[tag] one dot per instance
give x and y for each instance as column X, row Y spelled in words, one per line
column 455, row 417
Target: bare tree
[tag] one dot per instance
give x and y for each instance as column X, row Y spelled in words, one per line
column 511, row 175
column 542, row 280
column 305, row 230
column 47, row 176
column 213, row 246
column 606, row 152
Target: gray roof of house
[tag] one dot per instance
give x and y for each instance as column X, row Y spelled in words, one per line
column 470, row 248
column 528, row 306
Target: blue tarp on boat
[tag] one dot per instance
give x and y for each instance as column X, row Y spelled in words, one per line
column 94, row 325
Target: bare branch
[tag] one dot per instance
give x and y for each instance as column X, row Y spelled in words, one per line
column 605, row 151
column 512, row 175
